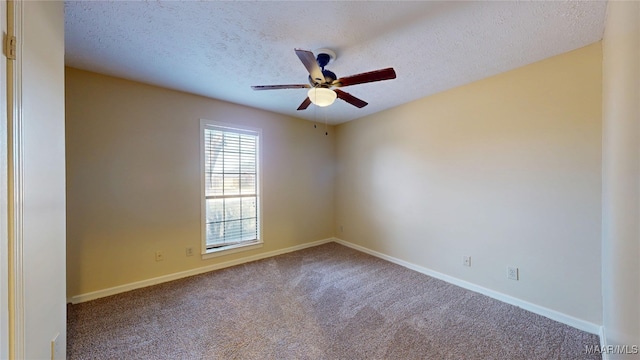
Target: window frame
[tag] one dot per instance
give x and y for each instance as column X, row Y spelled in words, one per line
column 237, row 128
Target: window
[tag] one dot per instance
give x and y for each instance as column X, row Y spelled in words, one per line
column 231, row 198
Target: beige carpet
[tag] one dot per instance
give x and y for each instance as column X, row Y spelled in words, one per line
column 326, row 302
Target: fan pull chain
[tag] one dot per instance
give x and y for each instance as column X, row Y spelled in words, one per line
column 315, row 119
column 326, row 133
column 315, row 116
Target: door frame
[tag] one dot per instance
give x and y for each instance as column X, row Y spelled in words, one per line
column 12, row 331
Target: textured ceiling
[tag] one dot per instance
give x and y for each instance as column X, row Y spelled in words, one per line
column 219, row 49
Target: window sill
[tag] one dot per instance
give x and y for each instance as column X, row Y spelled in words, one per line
column 231, row 250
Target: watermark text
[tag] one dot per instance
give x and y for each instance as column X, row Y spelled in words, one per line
column 612, row 349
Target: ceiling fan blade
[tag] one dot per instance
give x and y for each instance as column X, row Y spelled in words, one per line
column 350, row 99
column 277, row 87
column 309, row 61
column 371, row 76
column 305, row 104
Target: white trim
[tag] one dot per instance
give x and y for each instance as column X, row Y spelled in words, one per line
column 540, row 310
column 603, row 343
column 4, row 192
column 227, row 250
column 204, row 124
column 17, row 342
column 179, row 275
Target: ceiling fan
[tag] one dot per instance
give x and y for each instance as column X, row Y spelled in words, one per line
column 321, row 81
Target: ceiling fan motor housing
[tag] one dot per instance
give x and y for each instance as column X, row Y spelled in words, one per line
column 329, row 78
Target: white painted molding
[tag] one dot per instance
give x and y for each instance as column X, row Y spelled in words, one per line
column 179, row 275
column 17, row 337
column 603, row 343
column 540, row 310
column 4, row 203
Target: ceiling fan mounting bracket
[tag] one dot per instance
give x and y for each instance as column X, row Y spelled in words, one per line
column 325, row 57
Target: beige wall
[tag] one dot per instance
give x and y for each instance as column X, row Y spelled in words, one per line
column 506, row 170
column 621, row 174
column 133, row 180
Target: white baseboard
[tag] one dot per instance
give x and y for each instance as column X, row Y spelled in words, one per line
column 603, row 343
column 179, row 275
column 540, row 310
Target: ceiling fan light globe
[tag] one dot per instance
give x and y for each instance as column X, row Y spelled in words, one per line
column 322, row 97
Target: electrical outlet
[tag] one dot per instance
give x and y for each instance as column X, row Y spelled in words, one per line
column 512, row 273
column 189, row 251
column 341, row 229
column 466, row 261
column 159, row 255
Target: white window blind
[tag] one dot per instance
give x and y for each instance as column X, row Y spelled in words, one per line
column 231, row 187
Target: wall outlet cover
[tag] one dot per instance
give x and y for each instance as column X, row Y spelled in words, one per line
column 466, row 261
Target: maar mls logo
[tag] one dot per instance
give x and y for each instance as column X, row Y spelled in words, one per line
column 612, row 349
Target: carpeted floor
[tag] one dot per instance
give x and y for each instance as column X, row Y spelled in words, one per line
column 326, row 302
